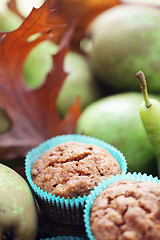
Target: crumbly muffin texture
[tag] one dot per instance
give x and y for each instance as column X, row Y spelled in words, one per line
column 72, row 169
column 127, row 210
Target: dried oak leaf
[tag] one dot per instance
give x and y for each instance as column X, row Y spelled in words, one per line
column 32, row 112
column 82, row 12
column 79, row 12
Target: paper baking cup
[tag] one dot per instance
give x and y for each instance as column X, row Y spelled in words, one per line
column 101, row 186
column 69, row 211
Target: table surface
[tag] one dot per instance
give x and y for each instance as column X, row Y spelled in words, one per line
column 50, row 228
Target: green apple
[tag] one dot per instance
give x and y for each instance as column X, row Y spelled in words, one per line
column 18, row 212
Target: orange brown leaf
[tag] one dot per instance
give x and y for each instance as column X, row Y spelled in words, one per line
column 32, row 112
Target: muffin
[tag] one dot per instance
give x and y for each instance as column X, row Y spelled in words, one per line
column 72, row 169
column 127, row 209
column 63, row 170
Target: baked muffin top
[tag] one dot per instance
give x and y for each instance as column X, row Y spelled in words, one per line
column 72, row 169
column 127, row 210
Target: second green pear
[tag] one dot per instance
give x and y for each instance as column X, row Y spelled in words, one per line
column 151, row 121
column 150, row 116
column 115, row 119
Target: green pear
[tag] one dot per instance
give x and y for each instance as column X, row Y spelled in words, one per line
column 120, row 40
column 115, row 119
column 18, row 213
column 150, row 116
column 80, row 81
column 35, row 71
column 9, row 21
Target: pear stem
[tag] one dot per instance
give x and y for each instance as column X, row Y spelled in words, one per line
column 140, row 76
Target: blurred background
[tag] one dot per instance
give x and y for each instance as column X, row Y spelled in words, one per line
column 110, row 42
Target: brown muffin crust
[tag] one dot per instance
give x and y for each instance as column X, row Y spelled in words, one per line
column 72, row 169
column 127, row 210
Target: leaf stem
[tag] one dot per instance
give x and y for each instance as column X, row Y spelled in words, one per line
column 140, row 76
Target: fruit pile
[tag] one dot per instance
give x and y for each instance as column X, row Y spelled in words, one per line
column 120, row 42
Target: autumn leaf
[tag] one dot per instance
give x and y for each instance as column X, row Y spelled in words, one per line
column 81, row 12
column 77, row 13
column 32, row 112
